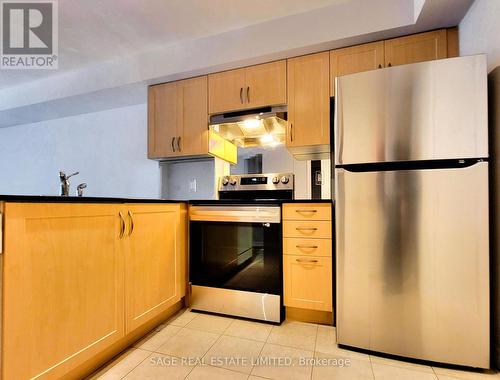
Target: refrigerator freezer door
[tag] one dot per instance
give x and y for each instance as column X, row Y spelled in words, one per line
column 413, row 263
column 423, row 111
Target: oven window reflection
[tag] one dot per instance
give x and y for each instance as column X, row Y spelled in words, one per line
column 241, row 256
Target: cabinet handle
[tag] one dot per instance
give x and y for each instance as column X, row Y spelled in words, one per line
column 131, row 217
column 307, row 261
column 291, row 132
column 248, row 94
column 306, row 246
column 306, row 229
column 241, row 95
column 302, row 210
column 122, row 224
column 172, row 143
column 179, row 143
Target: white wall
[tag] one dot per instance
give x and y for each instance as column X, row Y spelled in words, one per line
column 480, row 31
column 186, row 180
column 108, row 148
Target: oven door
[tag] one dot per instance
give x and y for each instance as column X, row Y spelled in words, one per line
column 236, row 247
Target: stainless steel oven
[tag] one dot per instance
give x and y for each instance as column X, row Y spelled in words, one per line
column 236, row 252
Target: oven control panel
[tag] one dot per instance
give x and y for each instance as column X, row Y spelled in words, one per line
column 245, row 182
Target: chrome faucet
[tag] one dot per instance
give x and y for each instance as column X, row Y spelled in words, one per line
column 65, row 182
column 80, row 188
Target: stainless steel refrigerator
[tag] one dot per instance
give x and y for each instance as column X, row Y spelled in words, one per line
column 494, row 122
column 411, row 208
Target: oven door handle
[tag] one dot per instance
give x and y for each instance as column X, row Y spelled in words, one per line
column 235, row 214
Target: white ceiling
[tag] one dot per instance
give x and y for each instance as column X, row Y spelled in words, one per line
column 92, row 31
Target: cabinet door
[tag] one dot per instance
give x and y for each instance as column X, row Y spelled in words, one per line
column 308, row 282
column 62, row 287
column 163, row 120
column 193, row 116
column 308, row 100
column 355, row 59
column 152, row 266
column 226, row 91
column 265, row 84
column 416, row 48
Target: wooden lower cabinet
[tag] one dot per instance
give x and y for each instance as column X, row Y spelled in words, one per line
column 152, row 265
column 307, row 261
column 75, row 283
column 308, row 282
column 307, row 211
column 312, row 229
column 307, row 247
column 62, row 287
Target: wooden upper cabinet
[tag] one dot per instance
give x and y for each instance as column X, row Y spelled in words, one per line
column 178, row 118
column 62, row 287
column 265, row 84
column 193, row 116
column 178, row 112
column 452, row 42
column 152, row 265
column 226, row 91
column 162, row 120
column 249, row 87
column 416, row 48
column 355, row 59
column 309, row 101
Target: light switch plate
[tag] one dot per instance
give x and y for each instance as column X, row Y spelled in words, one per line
column 193, row 185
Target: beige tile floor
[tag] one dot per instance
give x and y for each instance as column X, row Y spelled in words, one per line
column 299, row 351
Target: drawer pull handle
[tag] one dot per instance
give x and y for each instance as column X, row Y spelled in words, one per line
column 306, row 229
column 300, row 210
column 307, row 246
column 311, row 261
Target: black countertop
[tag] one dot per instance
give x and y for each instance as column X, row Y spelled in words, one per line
column 59, row 199
column 256, row 201
column 72, row 199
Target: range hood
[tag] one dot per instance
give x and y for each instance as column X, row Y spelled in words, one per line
column 250, row 128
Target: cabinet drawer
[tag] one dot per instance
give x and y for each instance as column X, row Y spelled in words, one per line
column 307, row 247
column 307, row 229
column 307, row 211
column 308, row 282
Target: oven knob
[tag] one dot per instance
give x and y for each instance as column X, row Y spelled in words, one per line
column 232, row 181
column 225, row 181
column 276, row 180
column 285, row 179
